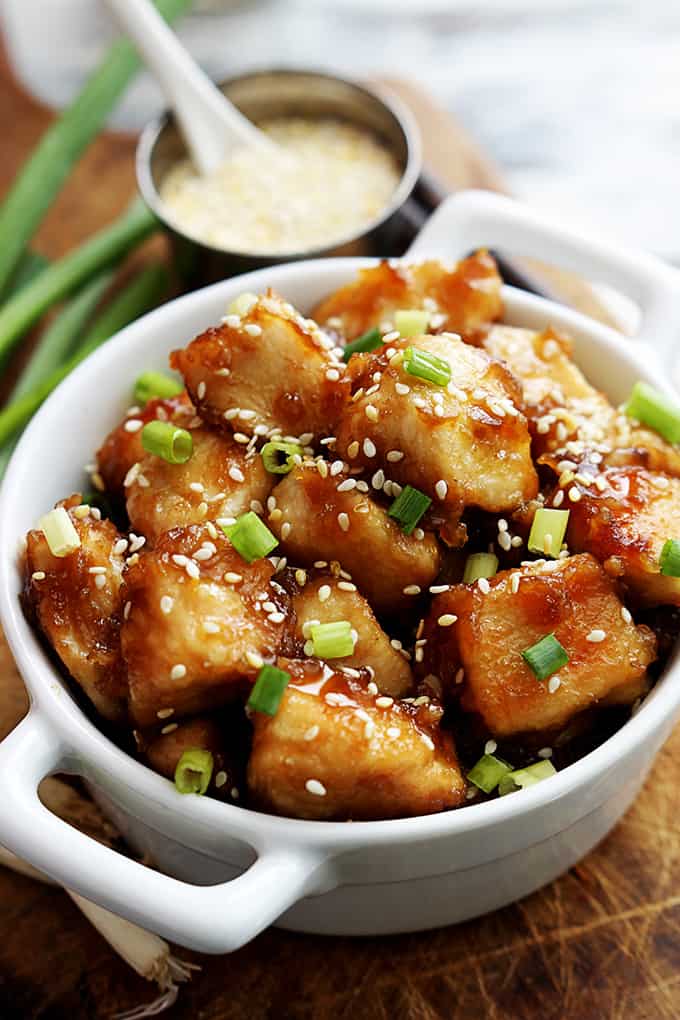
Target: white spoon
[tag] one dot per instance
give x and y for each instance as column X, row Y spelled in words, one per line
column 211, row 126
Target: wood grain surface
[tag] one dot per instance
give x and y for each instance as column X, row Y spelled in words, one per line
column 602, row 942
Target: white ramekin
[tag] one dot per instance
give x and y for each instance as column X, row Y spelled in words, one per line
column 235, row 871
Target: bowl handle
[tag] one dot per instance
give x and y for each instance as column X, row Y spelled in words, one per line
column 210, row 919
column 481, row 219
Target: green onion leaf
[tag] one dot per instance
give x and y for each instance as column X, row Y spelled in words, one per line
column 366, row 342
column 547, row 531
column 427, row 366
column 669, row 561
column 411, row 321
column 194, row 771
column 279, row 458
column 409, row 507
column 479, row 565
column 250, row 537
column 656, row 410
column 167, row 441
column 151, row 385
column 332, row 640
column 545, row 657
column 488, row 772
column 62, row 537
column 268, row 690
column 528, row 776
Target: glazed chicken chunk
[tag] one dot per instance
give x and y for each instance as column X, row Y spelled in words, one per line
column 267, row 372
column 460, row 298
column 476, row 635
column 76, row 600
column 315, row 523
column 569, row 418
column 327, row 599
column 198, row 622
column 336, row 750
column 624, row 520
column 219, row 480
column 465, row 444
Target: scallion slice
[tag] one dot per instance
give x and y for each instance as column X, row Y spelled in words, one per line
column 368, row 341
column 479, row 565
column 409, row 507
column 165, row 440
column 488, row 772
column 528, row 776
column 155, row 384
column 332, row 640
column 547, row 533
column 194, row 771
column 427, row 366
column 669, row 561
column 656, row 410
column 411, row 321
column 250, row 537
column 268, row 690
column 60, row 533
column 545, row 657
column 279, row 458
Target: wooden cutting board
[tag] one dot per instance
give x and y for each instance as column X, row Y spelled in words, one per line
column 602, row 942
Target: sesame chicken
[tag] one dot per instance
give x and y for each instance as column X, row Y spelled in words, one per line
column 402, row 762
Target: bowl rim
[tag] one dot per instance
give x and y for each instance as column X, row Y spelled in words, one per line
column 97, row 752
column 397, row 109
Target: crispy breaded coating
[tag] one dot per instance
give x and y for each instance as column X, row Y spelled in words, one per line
column 461, row 298
column 270, row 369
column 339, row 600
column 314, row 522
column 198, row 621
column 483, row 634
column 336, row 751
column 76, row 600
column 466, row 444
column 624, row 521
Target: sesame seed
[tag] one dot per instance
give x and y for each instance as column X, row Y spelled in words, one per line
column 337, row 467
column 490, row 747
column 343, row 521
column 437, row 589
column 596, row 636
column 100, row 581
column 441, row 489
column 484, row 586
column 286, row 529
column 241, row 438
column 230, row 413
column 412, row 589
column 347, row 485
column 120, row 547
column 418, row 534
column 38, row 575
column 460, row 676
column 235, row 792
column 311, row 733
column 371, row 412
column 393, row 732
column 554, row 684
column 192, row 569
column 324, row 593
column 220, row 779
column 276, row 617
column 369, row 729
column 545, row 752
column 133, row 425
column 247, row 415
column 126, row 610
column 514, row 583
column 369, row 448
column 559, row 498
column 347, row 586
column 210, row 627
column 200, row 390
column 504, row 541
column 384, row 702
column 170, row 728
column 142, row 481
column 378, row 479
column 165, row 713
column 166, row 604
column 178, row 671
column 252, row 329
column 626, row 615
column 447, row 619
column 233, row 321
column 315, row 787
column 136, row 542
column 372, row 688
column 254, row 660
column 402, row 389
column 332, row 374
column 96, row 570
column 236, row 474
column 231, row 577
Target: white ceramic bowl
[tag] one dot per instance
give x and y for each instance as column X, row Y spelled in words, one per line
column 333, row 878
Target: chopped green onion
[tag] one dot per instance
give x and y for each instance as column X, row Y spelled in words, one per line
column 409, row 507
column 268, row 690
column 250, row 537
column 279, row 457
column 669, row 561
column 366, row 342
column 167, row 441
column 194, row 771
column 656, row 410
column 332, row 640
column 242, row 304
column 488, row 772
column 62, row 537
column 528, row 776
column 411, row 321
column 479, row 565
column 427, row 366
column 547, row 533
column 151, row 385
column 545, row 657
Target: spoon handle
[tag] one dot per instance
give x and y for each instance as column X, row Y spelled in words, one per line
column 210, row 124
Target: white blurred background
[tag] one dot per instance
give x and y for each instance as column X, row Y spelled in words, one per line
column 578, row 101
